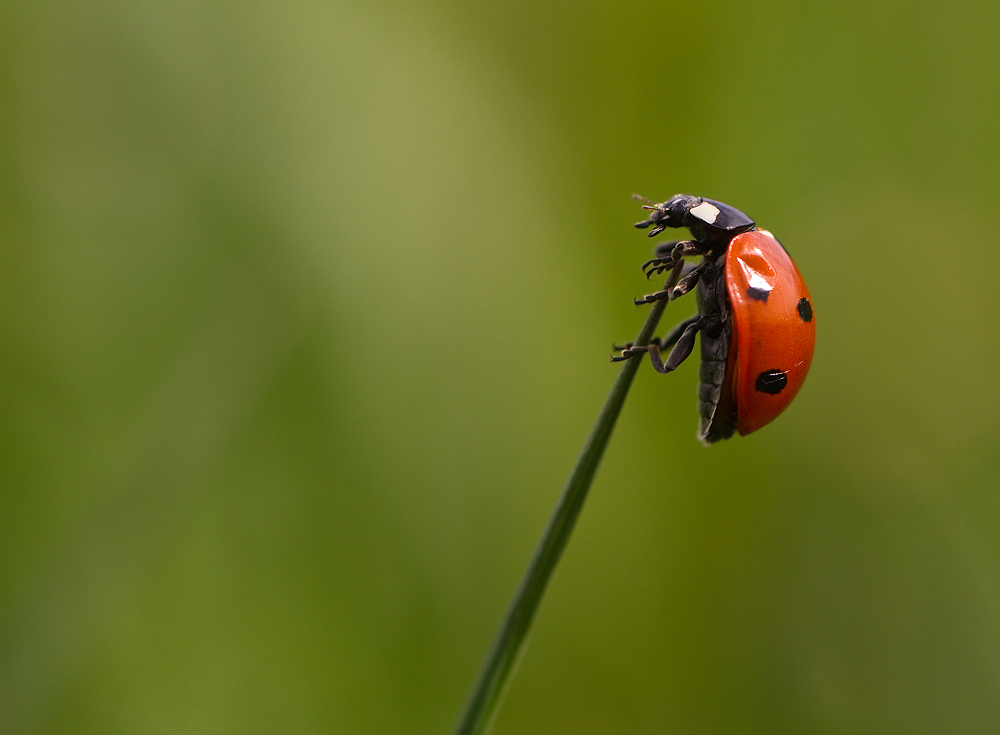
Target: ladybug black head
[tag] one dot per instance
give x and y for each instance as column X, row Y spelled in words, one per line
column 706, row 218
column 671, row 213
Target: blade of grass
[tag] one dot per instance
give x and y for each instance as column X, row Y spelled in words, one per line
column 507, row 648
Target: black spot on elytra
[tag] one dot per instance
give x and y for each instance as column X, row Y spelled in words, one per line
column 805, row 310
column 758, row 294
column 772, row 381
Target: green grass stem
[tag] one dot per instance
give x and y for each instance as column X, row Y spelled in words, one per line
column 505, row 653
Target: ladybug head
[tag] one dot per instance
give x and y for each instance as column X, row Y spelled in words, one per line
column 671, row 213
column 709, row 221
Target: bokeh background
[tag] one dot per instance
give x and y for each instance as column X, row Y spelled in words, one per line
column 306, row 310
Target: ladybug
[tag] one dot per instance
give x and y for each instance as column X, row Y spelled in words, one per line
column 755, row 314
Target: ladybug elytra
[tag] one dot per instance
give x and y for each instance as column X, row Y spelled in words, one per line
column 755, row 314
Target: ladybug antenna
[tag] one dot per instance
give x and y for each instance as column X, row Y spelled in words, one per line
column 649, row 203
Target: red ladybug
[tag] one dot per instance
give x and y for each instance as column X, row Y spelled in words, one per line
column 754, row 314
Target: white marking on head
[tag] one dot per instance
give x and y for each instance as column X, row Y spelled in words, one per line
column 706, row 212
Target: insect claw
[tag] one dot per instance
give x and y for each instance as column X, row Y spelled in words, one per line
column 658, row 269
column 652, row 298
column 658, row 261
column 627, row 353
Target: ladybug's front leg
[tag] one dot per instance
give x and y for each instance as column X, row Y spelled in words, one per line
column 671, row 292
column 667, row 255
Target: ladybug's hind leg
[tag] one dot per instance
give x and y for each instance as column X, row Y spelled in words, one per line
column 657, row 344
column 683, row 343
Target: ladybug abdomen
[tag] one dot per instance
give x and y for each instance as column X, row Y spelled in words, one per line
column 718, row 420
column 774, row 328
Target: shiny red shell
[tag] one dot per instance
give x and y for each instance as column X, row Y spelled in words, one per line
column 774, row 328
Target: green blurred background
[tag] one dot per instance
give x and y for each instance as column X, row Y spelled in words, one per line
column 306, row 309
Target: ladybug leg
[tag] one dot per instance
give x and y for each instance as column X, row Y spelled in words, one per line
column 675, row 275
column 672, row 291
column 682, row 348
column 668, row 253
column 687, row 247
column 657, row 343
column 664, row 250
column 663, row 260
column 670, row 338
column 687, row 283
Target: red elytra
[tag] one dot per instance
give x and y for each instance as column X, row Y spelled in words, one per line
column 774, row 329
